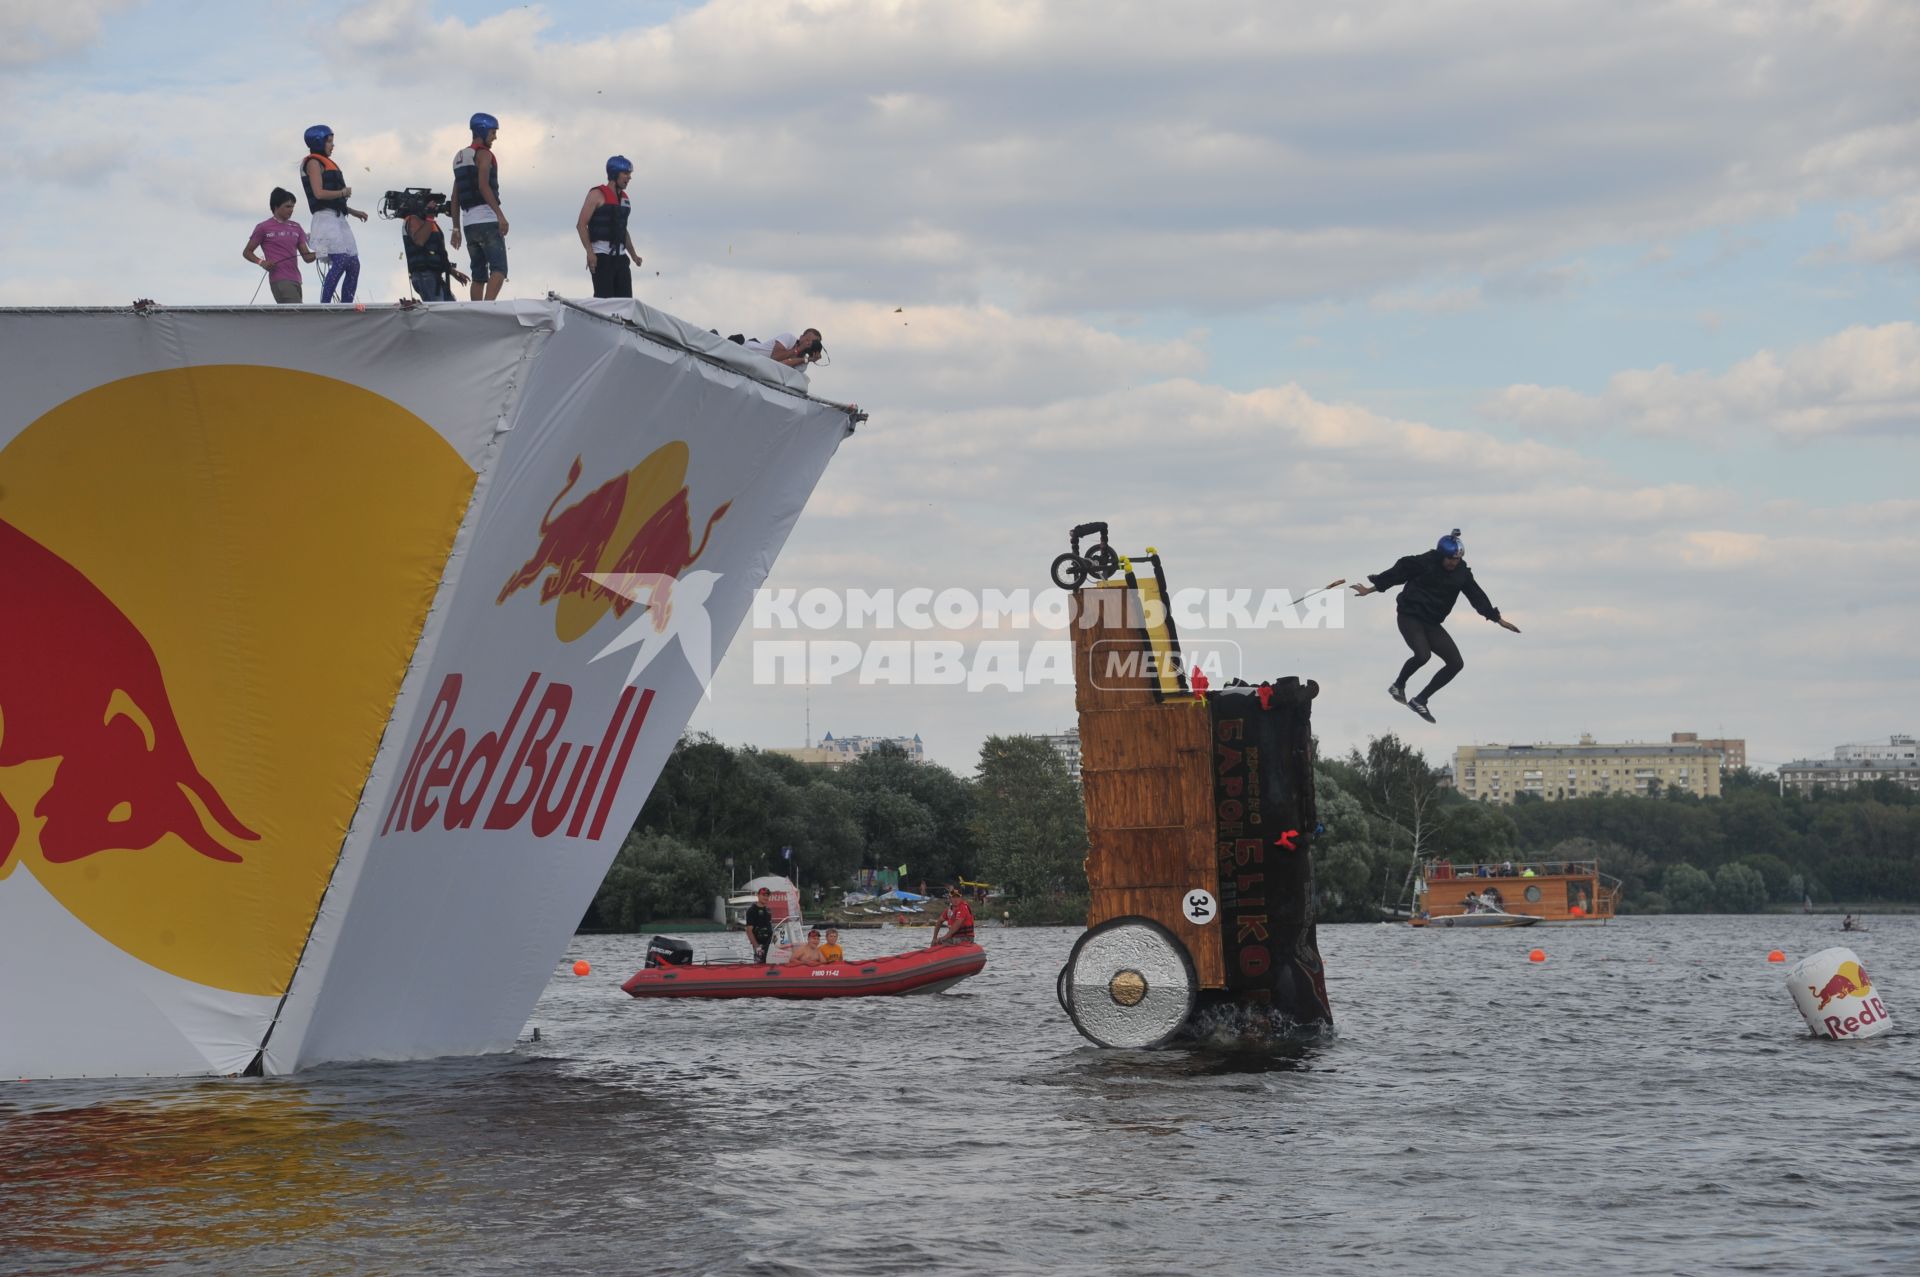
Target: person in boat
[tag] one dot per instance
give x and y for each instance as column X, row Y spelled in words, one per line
column 831, row 952
column 476, row 202
column 331, row 236
column 957, row 921
column 602, row 227
column 1431, row 582
column 1473, row 902
column 808, row 954
column 1493, row 900
column 1847, row 923
column 760, row 926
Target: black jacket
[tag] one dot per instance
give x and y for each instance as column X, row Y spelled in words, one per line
column 759, row 921
column 1431, row 588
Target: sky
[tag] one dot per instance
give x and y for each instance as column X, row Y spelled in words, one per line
column 1624, row 290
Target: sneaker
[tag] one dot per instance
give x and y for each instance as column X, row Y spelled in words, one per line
column 1420, row 708
column 1398, row 693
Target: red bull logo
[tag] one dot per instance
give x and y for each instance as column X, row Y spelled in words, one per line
column 1849, row 981
column 82, row 694
column 200, row 647
column 635, row 526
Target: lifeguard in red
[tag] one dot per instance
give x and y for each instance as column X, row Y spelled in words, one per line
column 957, row 921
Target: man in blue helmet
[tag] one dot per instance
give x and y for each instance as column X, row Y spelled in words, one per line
column 602, row 226
column 331, row 236
column 476, row 202
column 1430, row 584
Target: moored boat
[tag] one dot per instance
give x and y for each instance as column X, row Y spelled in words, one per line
column 1483, row 918
column 1557, row 891
column 917, row 971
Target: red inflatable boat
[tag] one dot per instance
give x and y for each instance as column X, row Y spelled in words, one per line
column 922, row 971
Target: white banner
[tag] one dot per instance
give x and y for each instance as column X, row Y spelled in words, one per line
column 341, row 650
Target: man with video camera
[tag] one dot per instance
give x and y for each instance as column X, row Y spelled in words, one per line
column 427, row 262
column 602, row 226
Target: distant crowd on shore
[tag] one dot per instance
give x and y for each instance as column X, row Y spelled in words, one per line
column 279, row 244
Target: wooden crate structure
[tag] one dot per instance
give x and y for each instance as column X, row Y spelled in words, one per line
column 1145, row 769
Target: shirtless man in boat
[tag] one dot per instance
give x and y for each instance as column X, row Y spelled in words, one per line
column 808, row 954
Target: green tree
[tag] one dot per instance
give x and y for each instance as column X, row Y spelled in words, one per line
column 1739, row 888
column 1028, row 818
column 1349, row 864
column 1775, row 873
column 1688, row 890
column 656, row 876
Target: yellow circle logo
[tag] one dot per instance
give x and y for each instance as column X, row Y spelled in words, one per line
column 217, row 576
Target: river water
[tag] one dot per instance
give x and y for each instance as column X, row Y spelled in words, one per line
column 1645, row 1101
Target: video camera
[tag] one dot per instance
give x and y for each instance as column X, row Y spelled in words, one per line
column 415, row 201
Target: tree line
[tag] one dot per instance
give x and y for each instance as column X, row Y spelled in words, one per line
column 1749, row 848
column 1019, row 822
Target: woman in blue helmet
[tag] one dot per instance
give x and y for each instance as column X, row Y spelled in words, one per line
column 1430, row 584
column 331, row 236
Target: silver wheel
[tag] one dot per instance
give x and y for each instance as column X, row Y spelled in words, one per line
column 1129, row 983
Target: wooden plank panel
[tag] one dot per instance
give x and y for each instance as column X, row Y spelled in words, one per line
column 1139, row 735
column 1162, row 905
column 1146, row 797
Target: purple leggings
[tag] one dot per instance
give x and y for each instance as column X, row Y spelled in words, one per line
column 344, row 270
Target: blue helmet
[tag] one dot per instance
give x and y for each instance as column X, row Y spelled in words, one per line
column 1451, row 545
column 317, row 137
column 482, row 122
column 618, row 164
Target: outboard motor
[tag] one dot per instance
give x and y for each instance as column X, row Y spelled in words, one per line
column 669, row 951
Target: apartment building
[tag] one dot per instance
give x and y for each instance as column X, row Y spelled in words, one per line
column 1898, row 761
column 1499, row 773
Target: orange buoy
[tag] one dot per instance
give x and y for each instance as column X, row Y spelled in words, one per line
column 582, row 967
column 1538, row 955
column 1776, row 956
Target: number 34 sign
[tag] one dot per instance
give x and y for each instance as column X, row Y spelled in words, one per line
column 1199, row 907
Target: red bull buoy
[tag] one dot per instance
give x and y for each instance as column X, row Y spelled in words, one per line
column 1836, row 996
column 1775, row 955
column 582, row 967
column 1538, row 955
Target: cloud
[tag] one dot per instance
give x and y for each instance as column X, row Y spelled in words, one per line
column 1125, row 155
column 1891, row 235
column 1862, row 381
column 35, row 31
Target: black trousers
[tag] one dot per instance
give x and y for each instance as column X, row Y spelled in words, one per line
column 1428, row 640
column 612, row 275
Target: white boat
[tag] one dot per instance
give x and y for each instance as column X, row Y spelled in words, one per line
column 1480, row 918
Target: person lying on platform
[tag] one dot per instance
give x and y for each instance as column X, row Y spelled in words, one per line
column 957, row 920
column 808, row 954
column 787, row 349
column 831, row 952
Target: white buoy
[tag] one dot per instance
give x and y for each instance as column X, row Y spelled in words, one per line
column 1835, row 995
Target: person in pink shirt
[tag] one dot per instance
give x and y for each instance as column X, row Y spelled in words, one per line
column 281, row 243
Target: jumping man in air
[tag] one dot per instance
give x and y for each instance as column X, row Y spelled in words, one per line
column 1431, row 582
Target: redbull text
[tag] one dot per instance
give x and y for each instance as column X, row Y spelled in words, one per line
column 448, row 778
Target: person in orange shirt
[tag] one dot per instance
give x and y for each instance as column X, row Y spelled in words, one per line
column 831, row 952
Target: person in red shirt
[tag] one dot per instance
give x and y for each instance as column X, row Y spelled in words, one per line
column 957, row 921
